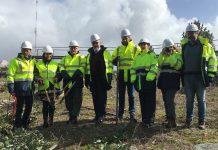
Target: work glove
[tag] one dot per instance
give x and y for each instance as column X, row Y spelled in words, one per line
column 76, row 75
column 87, row 81
column 115, row 60
column 65, row 75
column 40, row 81
column 11, row 89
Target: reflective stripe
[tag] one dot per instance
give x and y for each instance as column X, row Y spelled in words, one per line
column 210, row 66
column 20, row 65
column 23, row 79
column 24, row 72
column 10, row 81
column 211, row 58
column 151, row 71
column 10, row 75
column 169, row 71
column 123, row 65
column 50, row 71
column 73, row 66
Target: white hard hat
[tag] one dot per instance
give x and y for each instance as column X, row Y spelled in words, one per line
column 144, row 40
column 168, row 43
column 94, row 37
column 192, row 27
column 74, row 43
column 26, row 44
column 125, row 32
column 47, row 49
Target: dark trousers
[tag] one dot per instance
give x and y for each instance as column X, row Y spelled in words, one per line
column 73, row 101
column 21, row 120
column 48, row 109
column 122, row 92
column 168, row 98
column 148, row 104
column 99, row 96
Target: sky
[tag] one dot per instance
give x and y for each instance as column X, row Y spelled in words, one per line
column 60, row 21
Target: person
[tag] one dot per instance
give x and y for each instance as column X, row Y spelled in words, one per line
column 20, row 84
column 47, row 75
column 72, row 68
column 125, row 54
column 144, row 71
column 170, row 63
column 199, row 69
column 99, row 73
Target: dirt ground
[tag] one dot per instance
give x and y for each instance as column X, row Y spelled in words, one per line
column 85, row 134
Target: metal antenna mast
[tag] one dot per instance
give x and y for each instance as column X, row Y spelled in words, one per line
column 36, row 27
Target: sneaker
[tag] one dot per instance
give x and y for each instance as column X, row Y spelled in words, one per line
column 202, row 125
column 188, row 123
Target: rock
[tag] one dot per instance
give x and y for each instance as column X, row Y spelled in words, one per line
column 206, row 146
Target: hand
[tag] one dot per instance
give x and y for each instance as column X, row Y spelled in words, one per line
column 40, row 81
column 115, row 61
column 76, row 74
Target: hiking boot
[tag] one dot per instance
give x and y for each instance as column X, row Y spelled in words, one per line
column 202, row 125
column 132, row 118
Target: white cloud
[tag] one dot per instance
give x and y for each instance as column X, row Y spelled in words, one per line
column 62, row 21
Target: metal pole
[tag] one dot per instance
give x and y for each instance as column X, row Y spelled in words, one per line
column 35, row 31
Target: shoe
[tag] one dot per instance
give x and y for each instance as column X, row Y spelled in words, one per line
column 171, row 124
column 146, row 125
column 120, row 117
column 73, row 120
column 132, row 118
column 45, row 125
column 202, row 125
column 100, row 120
column 165, row 122
column 188, row 123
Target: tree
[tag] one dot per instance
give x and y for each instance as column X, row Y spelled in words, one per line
column 204, row 32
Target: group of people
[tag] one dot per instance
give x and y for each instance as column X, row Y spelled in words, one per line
column 139, row 68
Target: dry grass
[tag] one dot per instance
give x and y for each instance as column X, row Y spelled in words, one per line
column 84, row 135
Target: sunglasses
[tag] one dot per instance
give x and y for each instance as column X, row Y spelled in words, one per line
column 95, row 42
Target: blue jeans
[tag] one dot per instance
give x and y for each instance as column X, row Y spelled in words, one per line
column 122, row 91
column 193, row 85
